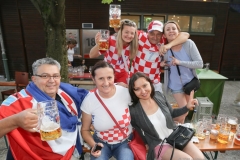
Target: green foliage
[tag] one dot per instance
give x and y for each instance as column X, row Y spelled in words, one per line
column 109, row 1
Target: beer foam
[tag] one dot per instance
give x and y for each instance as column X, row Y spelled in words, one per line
column 232, row 122
column 103, row 40
column 48, row 125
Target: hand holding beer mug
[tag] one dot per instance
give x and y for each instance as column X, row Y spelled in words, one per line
column 49, row 120
column 114, row 15
column 103, row 43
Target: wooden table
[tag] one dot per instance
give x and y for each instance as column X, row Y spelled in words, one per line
column 85, row 79
column 84, row 76
column 9, row 83
column 208, row 145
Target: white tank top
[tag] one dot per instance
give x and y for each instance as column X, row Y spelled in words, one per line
column 159, row 122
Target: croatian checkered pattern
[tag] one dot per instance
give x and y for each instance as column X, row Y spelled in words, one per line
column 111, row 56
column 147, row 59
column 115, row 135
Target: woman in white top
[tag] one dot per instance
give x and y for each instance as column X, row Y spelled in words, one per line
column 107, row 134
column 71, row 43
column 152, row 117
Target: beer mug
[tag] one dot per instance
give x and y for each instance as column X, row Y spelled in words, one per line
column 114, row 15
column 213, row 134
column 224, row 133
column 207, row 120
column 237, row 136
column 200, row 129
column 221, row 120
column 232, row 122
column 103, row 43
column 48, row 120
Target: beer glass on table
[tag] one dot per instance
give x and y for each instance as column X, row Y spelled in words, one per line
column 200, row 128
column 232, row 122
column 103, row 43
column 213, row 134
column 221, row 120
column 49, row 120
column 224, row 133
column 237, row 136
column 114, row 15
column 207, row 120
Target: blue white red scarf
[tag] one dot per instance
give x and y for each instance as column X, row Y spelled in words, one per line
column 68, row 121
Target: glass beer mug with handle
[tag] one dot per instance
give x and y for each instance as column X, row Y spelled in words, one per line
column 224, row 133
column 232, row 123
column 103, row 43
column 114, row 15
column 49, row 120
column 237, row 136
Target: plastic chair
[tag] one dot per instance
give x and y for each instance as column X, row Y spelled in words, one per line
column 21, row 80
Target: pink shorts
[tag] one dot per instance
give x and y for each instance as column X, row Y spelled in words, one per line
column 164, row 148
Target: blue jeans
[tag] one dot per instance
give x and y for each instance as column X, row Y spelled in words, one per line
column 120, row 151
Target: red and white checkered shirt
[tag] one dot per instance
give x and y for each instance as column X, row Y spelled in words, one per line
column 114, row 134
column 111, row 55
column 147, row 59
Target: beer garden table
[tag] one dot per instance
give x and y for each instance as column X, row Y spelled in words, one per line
column 206, row 145
column 9, row 83
column 85, row 79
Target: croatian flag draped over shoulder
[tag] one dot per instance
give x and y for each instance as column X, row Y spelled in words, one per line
column 27, row 145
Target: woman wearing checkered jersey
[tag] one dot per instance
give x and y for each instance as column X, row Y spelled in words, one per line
column 107, row 134
column 124, row 43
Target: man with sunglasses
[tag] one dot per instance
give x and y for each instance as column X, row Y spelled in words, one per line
column 46, row 85
column 150, row 50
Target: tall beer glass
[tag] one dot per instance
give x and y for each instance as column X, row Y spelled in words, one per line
column 49, row 120
column 103, row 43
column 237, row 136
column 232, row 122
column 114, row 15
column 224, row 133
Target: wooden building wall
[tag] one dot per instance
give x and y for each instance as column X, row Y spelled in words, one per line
column 24, row 37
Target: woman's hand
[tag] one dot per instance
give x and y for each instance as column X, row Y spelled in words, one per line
column 164, row 63
column 192, row 102
column 98, row 152
column 97, row 38
column 175, row 61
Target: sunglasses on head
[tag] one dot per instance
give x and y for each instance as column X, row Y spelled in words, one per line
column 128, row 22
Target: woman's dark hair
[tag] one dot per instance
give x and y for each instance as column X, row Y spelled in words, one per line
column 132, row 80
column 100, row 64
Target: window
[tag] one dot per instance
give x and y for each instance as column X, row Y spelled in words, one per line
column 192, row 24
column 183, row 21
column 135, row 19
column 148, row 19
column 202, row 24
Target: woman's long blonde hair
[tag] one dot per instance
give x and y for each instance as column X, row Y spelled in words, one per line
column 133, row 43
